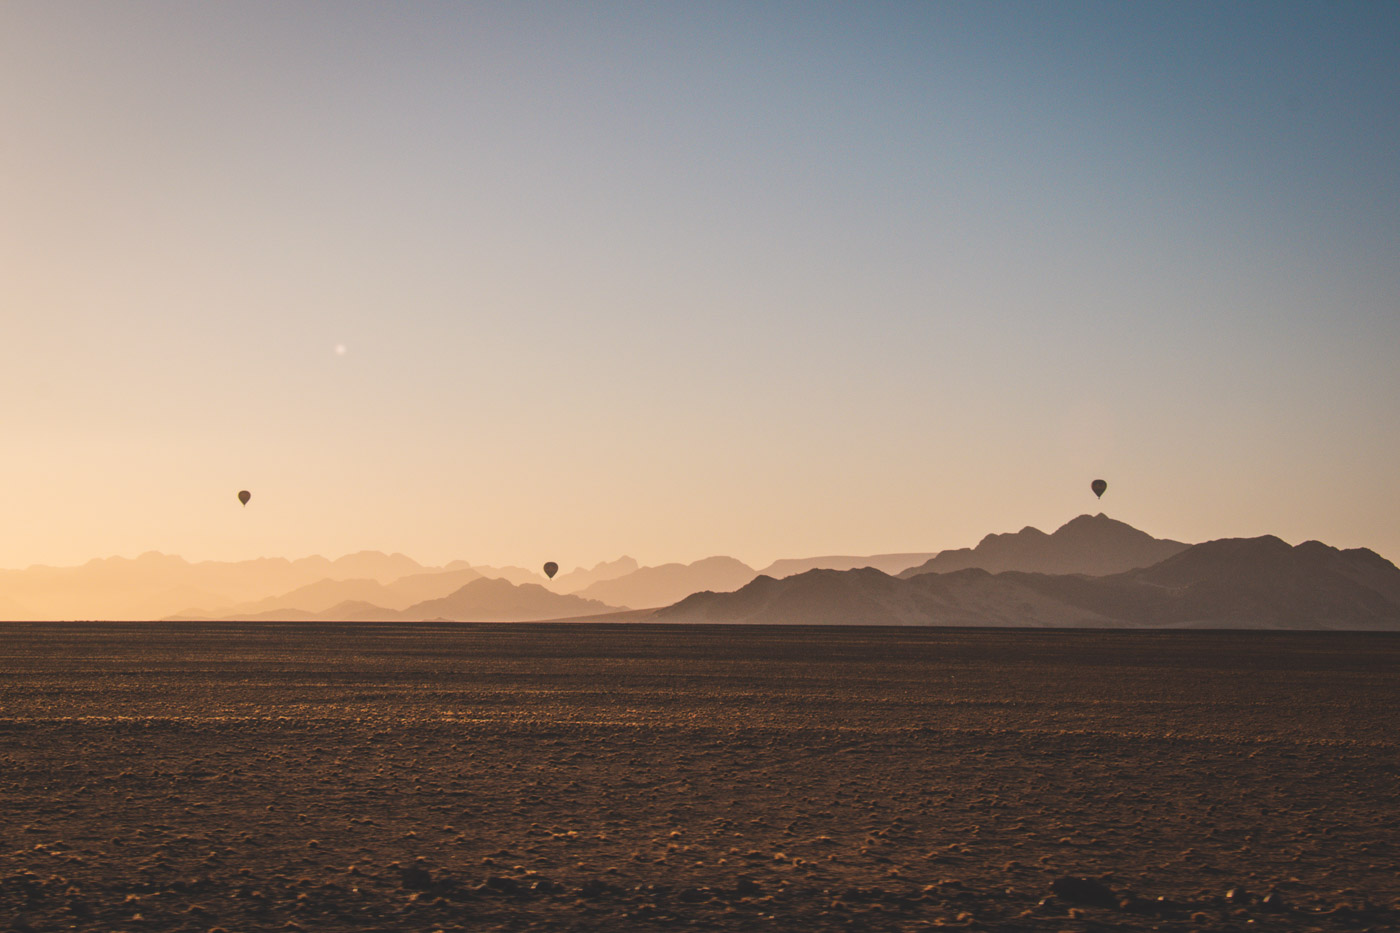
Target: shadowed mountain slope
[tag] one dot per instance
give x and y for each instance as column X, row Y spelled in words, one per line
column 868, row 597
column 359, row 611
column 664, row 584
column 496, row 600
column 417, row 587
column 1245, row 583
column 886, row 563
column 1091, row 544
column 1235, row 583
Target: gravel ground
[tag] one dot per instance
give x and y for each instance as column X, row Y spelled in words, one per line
column 248, row 777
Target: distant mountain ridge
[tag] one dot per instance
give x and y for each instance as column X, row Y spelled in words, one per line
column 888, row 563
column 1230, row 583
column 648, row 587
column 323, row 594
column 514, row 574
column 866, row 596
column 1092, row 571
column 514, row 596
column 484, row 599
column 1090, row 544
column 154, row 585
column 496, row 600
column 580, row 578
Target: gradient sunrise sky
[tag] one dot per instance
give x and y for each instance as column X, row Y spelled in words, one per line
column 526, row 281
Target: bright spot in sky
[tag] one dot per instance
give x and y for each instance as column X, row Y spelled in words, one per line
column 340, row 349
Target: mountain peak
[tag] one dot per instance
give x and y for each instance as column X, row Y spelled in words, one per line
column 491, row 599
column 1099, row 521
column 1095, row 545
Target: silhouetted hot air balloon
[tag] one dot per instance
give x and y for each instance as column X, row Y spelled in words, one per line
column 550, row 569
column 244, row 496
column 1098, row 486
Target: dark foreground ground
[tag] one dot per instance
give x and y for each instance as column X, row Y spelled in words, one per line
column 256, row 777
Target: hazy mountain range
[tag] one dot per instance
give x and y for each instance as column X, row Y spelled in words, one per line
column 579, row 578
column 1092, row 571
column 155, row 585
column 648, row 587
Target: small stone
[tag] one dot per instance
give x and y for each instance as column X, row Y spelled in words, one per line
column 547, row 886
column 502, row 884
column 1077, row 890
column 595, row 888
column 415, row 877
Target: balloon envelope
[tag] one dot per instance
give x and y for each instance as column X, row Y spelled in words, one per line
column 550, row 569
column 244, row 496
column 1098, row 486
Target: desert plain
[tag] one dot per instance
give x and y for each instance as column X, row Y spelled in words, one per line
column 416, row 776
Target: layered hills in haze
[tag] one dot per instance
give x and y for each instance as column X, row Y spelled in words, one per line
column 324, row 594
column 580, row 578
column 155, row 585
column 615, row 585
column 648, row 587
column 1092, row 571
column 483, row 599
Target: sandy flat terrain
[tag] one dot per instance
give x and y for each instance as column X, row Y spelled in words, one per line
column 420, row 777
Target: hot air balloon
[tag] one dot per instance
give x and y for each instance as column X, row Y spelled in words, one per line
column 1098, row 486
column 550, row 569
column 244, row 496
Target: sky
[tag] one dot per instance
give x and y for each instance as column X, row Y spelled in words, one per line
column 527, row 281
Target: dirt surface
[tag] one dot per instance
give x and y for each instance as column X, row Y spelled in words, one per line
column 530, row 777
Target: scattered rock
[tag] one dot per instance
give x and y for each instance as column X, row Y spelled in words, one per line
column 1164, row 905
column 595, row 888
column 414, row 877
column 1343, row 913
column 1087, row 891
column 747, row 887
column 546, row 886
column 502, row 884
column 1135, row 905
